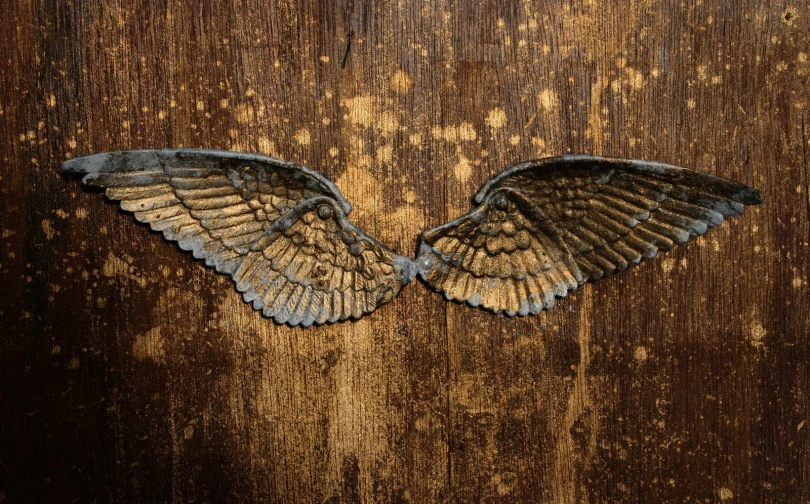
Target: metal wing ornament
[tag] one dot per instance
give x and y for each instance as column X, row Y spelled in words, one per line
column 277, row 228
column 542, row 228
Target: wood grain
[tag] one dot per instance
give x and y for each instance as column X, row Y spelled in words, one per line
column 132, row 373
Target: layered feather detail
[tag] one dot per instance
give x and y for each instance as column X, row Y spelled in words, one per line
column 279, row 229
column 542, row 228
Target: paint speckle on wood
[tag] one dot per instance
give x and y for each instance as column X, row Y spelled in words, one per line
column 303, row 136
column 496, row 118
column 150, row 346
column 360, row 109
column 401, row 82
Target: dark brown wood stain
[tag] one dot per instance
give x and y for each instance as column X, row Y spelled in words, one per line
column 132, row 373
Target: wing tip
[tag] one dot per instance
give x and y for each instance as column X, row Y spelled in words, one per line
column 750, row 196
column 87, row 164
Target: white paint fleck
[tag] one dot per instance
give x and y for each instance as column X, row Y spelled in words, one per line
column 188, row 432
column 385, row 153
column 539, row 144
column 47, row 228
column 634, row 78
column 466, row 132
column 757, row 333
column 302, row 136
column 401, row 82
column 548, row 100
column 496, row 119
column 245, row 113
column 505, row 483
column 360, row 109
column 448, row 133
column 387, row 123
column 150, row 346
column 462, row 169
column 116, row 266
column 266, row 146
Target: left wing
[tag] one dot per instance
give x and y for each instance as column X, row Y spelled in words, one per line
column 277, row 228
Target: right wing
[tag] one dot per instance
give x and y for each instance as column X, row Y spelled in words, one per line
column 279, row 229
column 544, row 227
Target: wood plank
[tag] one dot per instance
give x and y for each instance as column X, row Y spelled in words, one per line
column 131, row 373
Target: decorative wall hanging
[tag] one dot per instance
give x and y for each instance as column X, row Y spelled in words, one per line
column 541, row 228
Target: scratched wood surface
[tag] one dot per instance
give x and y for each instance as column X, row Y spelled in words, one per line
column 132, row 373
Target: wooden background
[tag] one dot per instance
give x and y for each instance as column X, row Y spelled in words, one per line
column 132, row 373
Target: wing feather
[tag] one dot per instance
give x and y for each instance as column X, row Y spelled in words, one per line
column 134, row 203
column 160, row 213
column 273, row 289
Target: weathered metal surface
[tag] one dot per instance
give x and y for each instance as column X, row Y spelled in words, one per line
column 542, row 228
column 129, row 373
column 278, row 229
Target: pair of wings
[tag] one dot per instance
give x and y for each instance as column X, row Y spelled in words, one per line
column 539, row 230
